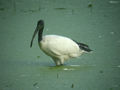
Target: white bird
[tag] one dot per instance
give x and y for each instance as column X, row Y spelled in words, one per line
column 59, row 48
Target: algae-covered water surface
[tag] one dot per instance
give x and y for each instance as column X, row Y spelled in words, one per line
column 92, row 22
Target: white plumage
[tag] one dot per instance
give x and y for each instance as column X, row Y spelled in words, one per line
column 60, row 48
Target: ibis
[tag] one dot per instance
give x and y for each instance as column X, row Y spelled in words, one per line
column 59, row 48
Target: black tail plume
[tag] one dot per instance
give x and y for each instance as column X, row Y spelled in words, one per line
column 84, row 47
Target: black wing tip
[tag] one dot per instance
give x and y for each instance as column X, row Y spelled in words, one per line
column 88, row 50
column 83, row 46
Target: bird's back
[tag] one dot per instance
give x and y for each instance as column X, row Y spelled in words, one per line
column 59, row 45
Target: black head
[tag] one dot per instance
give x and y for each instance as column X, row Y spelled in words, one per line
column 40, row 22
column 39, row 30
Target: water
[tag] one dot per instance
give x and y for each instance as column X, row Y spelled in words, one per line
column 95, row 23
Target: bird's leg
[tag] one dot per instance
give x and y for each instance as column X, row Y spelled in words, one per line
column 57, row 62
column 61, row 61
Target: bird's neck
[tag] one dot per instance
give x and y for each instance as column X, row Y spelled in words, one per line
column 40, row 34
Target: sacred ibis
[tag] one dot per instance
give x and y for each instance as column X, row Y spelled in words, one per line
column 59, row 48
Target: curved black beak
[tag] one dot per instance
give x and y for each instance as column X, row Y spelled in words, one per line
column 35, row 32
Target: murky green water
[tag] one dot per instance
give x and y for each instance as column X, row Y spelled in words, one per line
column 93, row 22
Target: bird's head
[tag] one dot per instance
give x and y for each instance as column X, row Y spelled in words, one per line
column 40, row 26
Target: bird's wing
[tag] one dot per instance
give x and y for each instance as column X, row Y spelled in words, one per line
column 63, row 46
